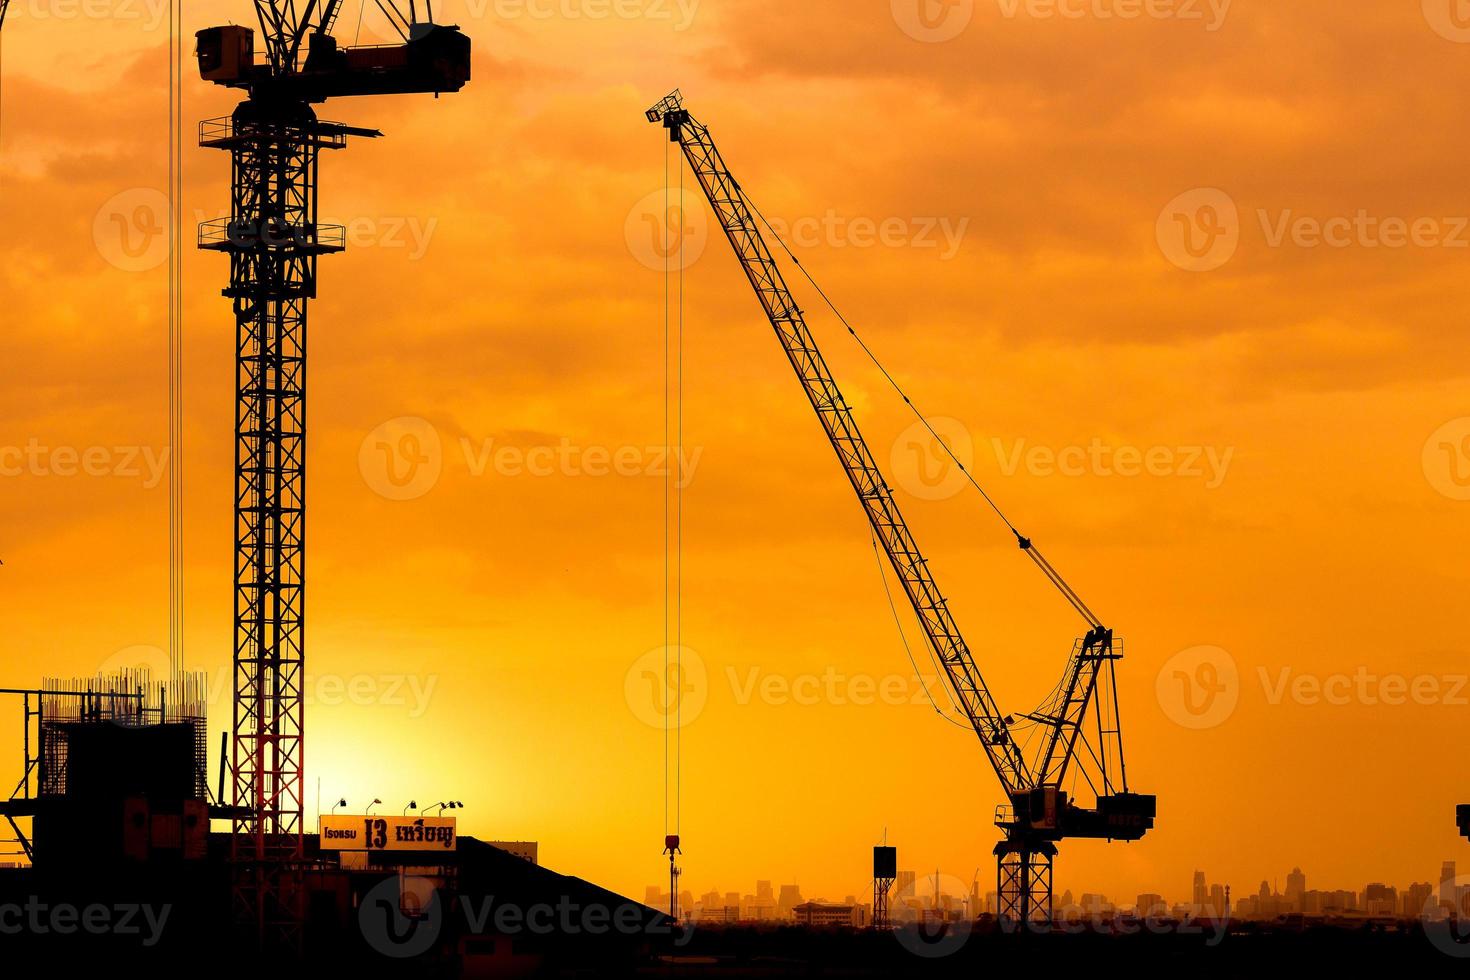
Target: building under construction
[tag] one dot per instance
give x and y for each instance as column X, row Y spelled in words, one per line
column 114, row 813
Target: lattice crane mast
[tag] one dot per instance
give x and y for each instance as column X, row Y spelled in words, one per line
column 273, row 240
column 1040, row 810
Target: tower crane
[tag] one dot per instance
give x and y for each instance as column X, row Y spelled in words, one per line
column 273, row 240
column 1078, row 726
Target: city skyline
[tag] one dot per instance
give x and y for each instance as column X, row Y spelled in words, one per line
column 1448, row 888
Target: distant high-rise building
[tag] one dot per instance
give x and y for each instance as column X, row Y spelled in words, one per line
column 1201, row 892
column 1416, row 898
column 1296, row 891
column 1447, row 885
column 789, row 900
column 1150, row 905
column 764, row 894
column 1380, row 899
column 1218, row 904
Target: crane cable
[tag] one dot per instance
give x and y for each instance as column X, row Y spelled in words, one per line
column 175, row 340
column 4, row 7
column 907, row 649
column 1045, row 566
column 673, row 518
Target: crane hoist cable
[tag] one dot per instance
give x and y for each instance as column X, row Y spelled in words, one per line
column 673, row 529
column 1026, row 543
column 175, row 339
column 907, row 649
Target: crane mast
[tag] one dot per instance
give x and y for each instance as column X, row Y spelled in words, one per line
column 273, row 239
column 1040, row 811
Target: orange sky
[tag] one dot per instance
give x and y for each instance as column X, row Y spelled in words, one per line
column 476, row 641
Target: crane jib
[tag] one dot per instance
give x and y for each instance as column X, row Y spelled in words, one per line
column 1120, row 813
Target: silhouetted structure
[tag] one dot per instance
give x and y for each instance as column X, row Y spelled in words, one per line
column 885, row 870
column 273, row 239
column 1040, row 811
column 114, row 769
